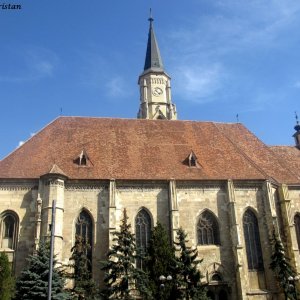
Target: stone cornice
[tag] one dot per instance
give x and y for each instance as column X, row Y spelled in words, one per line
column 17, row 187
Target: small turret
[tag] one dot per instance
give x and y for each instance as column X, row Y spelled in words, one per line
column 296, row 135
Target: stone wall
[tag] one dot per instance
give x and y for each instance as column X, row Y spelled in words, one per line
column 172, row 203
column 19, row 197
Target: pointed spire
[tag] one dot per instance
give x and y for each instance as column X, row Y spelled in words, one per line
column 296, row 135
column 297, row 127
column 153, row 59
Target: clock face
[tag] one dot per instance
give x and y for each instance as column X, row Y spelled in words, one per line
column 157, row 91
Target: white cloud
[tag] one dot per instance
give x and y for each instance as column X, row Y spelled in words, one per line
column 116, row 87
column 99, row 73
column 297, row 84
column 44, row 68
column 219, row 45
column 236, row 25
column 30, row 63
column 198, row 83
column 23, row 142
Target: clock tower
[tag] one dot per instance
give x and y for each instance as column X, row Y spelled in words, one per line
column 154, row 82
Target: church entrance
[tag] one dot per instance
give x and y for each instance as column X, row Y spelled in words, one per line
column 218, row 292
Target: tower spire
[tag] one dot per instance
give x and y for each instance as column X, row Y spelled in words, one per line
column 153, row 58
column 154, row 82
column 296, row 135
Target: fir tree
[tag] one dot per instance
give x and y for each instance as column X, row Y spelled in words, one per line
column 33, row 281
column 84, row 286
column 6, row 278
column 188, row 274
column 282, row 268
column 121, row 276
column 161, row 262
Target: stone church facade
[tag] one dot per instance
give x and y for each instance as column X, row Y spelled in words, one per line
column 224, row 186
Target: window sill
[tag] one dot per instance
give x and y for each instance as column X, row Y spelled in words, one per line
column 7, row 250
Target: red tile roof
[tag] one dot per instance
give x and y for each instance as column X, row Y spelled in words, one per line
column 290, row 156
column 145, row 149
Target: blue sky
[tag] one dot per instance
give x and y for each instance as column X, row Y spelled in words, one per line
column 225, row 58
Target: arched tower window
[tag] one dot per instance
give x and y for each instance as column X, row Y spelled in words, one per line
column 142, row 234
column 9, row 228
column 252, row 241
column 208, row 229
column 297, row 227
column 216, row 277
column 84, row 229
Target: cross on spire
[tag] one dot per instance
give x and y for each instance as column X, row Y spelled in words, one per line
column 150, row 17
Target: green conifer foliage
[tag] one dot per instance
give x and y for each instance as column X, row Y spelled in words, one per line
column 161, row 262
column 122, row 279
column 282, row 269
column 6, row 278
column 84, row 286
column 188, row 274
column 32, row 284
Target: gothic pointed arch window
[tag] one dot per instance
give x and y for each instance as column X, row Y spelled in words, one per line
column 208, row 229
column 297, row 227
column 9, row 223
column 252, row 241
column 142, row 234
column 84, row 230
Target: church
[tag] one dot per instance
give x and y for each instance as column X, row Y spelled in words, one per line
column 218, row 181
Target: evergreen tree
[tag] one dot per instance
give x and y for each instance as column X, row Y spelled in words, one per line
column 121, row 276
column 33, row 281
column 161, row 262
column 84, row 286
column 282, row 268
column 6, row 278
column 188, row 274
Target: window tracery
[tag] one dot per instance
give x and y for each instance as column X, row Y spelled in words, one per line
column 252, row 241
column 142, row 234
column 208, row 229
column 297, row 227
column 8, row 230
column 84, row 230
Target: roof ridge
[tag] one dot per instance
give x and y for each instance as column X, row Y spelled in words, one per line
column 143, row 120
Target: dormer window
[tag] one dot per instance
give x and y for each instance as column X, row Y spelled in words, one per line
column 192, row 159
column 82, row 159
